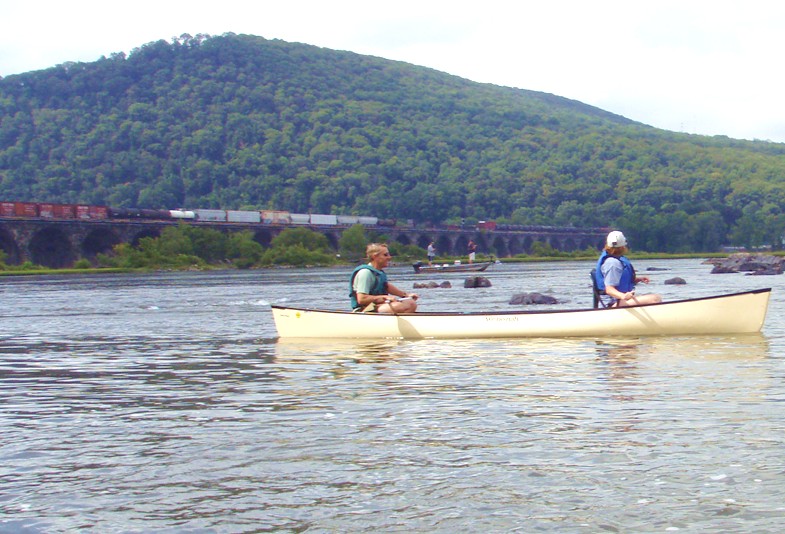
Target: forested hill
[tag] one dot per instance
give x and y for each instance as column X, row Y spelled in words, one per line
column 240, row 122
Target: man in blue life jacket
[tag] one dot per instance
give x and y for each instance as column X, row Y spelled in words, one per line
column 370, row 290
column 616, row 276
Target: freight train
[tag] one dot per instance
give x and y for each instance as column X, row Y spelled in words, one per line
column 45, row 210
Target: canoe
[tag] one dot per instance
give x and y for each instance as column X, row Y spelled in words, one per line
column 734, row 313
column 420, row 267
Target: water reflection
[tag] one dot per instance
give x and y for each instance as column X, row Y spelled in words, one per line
column 747, row 346
column 367, row 351
column 744, row 346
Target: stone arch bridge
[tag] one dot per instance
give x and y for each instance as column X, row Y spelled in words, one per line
column 59, row 243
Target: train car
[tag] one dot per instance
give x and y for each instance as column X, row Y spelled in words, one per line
column 243, row 216
column 47, row 210
column 276, row 217
column 18, row 209
column 368, row 221
column 299, row 218
column 152, row 214
column 123, row 213
column 486, row 225
column 139, row 213
column 324, row 220
column 348, row 219
column 182, row 214
column 7, row 209
column 97, row 212
column 82, row 211
column 210, row 215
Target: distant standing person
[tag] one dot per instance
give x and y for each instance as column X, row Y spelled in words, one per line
column 616, row 276
column 431, row 253
column 472, row 246
column 369, row 289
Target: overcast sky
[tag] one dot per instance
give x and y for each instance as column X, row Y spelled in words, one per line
column 712, row 67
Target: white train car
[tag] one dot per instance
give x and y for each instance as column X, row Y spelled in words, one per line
column 210, row 215
column 241, row 216
column 300, row 218
column 324, row 220
column 348, row 219
column 182, row 214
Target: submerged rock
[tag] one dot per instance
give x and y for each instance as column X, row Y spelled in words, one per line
column 677, row 280
column 431, row 285
column 477, row 281
column 533, row 298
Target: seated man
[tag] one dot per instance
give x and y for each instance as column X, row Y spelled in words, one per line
column 369, row 289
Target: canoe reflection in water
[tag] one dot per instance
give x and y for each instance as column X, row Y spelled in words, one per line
column 641, row 370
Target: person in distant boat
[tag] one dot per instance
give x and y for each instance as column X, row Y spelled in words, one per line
column 472, row 246
column 431, row 253
column 370, row 290
column 616, row 276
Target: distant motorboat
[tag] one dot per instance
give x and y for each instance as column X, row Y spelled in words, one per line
column 420, row 267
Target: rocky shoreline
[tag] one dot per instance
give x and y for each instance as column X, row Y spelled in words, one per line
column 752, row 264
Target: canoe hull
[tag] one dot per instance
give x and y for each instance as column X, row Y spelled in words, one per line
column 725, row 314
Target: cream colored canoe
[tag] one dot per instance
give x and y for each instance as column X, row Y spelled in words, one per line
column 723, row 314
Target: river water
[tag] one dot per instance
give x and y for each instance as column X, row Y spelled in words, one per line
column 164, row 403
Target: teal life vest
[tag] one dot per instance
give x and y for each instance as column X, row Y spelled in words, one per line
column 627, row 282
column 379, row 286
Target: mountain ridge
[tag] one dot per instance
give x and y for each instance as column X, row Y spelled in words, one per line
column 239, row 121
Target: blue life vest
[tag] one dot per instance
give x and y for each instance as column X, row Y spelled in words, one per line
column 627, row 282
column 379, row 287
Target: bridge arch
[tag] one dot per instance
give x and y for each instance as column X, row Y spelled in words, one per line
column 514, row 246
column 264, row 237
column 332, row 240
column 460, row 245
column 51, row 247
column 424, row 240
column 499, row 247
column 99, row 241
column 403, row 239
column 151, row 231
column 443, row 246
column 10, row 247
column 569, row 245
column 528, row 242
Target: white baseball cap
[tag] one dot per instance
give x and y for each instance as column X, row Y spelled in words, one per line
column 616, row 239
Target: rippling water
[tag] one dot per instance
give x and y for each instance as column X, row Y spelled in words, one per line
column 164, row 403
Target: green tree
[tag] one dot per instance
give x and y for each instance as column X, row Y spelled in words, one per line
column 243, row 250
column 308, row 239
column 353, row 242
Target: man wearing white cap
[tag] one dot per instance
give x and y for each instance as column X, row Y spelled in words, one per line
column 616, row 276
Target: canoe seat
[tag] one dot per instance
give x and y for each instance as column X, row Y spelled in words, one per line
column 596, row 292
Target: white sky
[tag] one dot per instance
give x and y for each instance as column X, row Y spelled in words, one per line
column 712, row 67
